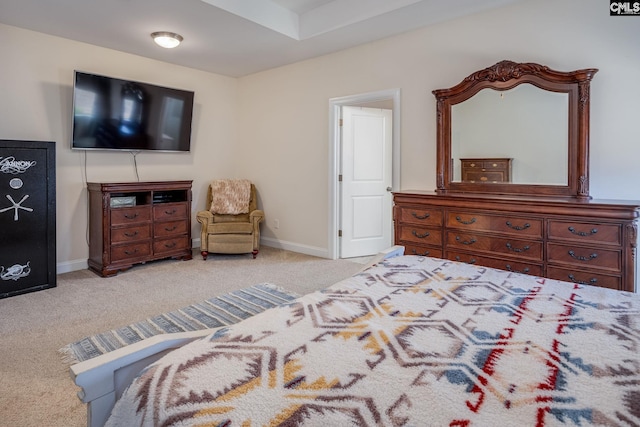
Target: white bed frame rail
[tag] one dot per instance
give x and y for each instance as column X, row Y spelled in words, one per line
column 103, row 379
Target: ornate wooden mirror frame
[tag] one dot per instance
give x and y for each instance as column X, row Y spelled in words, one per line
column 503, row 76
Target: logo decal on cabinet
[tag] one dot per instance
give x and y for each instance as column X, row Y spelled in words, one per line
column 13, row 166
column 15, row 272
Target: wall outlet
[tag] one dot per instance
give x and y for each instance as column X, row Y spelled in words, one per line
column 276, row 223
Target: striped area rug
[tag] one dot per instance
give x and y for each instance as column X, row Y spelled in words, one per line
column 212, row 313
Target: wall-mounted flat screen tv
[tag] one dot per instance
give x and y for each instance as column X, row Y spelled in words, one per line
column 116, row 114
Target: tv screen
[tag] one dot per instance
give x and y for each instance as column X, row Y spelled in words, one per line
column 115, row 114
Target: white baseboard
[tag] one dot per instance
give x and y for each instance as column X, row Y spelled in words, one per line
column 69, row 266
column 287, row 246
column 295, row 247
column 81, row 264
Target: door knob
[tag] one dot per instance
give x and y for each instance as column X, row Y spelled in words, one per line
column 389, row 188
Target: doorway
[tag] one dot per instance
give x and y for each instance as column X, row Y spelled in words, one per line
column 360, row 224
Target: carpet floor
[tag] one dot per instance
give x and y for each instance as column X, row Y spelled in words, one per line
column 35, row 387
column 222, row 310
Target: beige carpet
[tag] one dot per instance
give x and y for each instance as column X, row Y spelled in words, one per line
column 35, row 386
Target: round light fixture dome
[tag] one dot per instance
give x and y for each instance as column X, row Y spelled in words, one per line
column 166, row 39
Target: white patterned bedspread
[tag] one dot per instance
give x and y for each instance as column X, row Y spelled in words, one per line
column 412, row 341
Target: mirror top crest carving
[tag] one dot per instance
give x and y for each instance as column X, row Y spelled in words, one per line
column 544, row 139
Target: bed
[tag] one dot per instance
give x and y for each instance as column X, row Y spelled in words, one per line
column 409, row 341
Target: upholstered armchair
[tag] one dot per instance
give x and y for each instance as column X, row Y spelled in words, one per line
column 231, row 223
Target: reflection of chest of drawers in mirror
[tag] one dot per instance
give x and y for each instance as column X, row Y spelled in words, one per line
column 132, row 223
column 486, row 170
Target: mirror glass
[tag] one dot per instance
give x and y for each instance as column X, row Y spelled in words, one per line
column 525, row 123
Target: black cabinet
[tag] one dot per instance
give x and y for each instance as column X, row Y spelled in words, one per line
column 27, row 216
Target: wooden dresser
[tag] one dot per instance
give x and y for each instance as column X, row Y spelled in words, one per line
column 486, row 170
column 589, row 242
column 136, row 222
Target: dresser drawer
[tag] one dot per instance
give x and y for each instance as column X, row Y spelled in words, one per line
column 585, row 277
column 517, row 226
column 419, row 215
column 421, row 235
column 525, row 249
column 132, row 215
column 167, row 211
column 487, row 164
column 501, row 264
column 130, row 234
column 423, row 251
column 609, row 234
column 130, row 251
column 486, row 170
column 485, row 176
column 169, row 228
column 584, row 257
column 170, row 245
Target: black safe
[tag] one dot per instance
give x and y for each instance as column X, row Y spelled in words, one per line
column 27, row 216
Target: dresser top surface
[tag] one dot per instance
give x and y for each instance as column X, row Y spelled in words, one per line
column 521, row 199
column 592, row 208
column 144, row 185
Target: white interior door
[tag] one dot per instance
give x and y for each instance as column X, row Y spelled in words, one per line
column 366, row 202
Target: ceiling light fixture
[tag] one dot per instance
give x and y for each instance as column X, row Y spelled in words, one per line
column 166, row 39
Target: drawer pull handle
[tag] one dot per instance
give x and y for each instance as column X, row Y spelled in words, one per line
column 420, row 236
column 425, row 253
column 129, row 234
column 135, row 251
column 171, row 212
column 128, row 216
column 524, row 271
column 416, row 216
column 471, row 261
column 466, row 242
column 518, row 227
column 170, row 228
column 582, row 258
column 593, row 281
column 518, row 250
column 471, row 221
column 583, row 233
column 170, row 245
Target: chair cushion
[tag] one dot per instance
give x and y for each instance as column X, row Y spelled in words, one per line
column 232, row 218
column 230, row 228
column 230, row 196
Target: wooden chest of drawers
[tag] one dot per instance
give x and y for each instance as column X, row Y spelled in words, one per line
column 486, row 170
column 587, row 242
column 131, row 223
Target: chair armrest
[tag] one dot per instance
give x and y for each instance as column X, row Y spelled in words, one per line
column 256, row 216
column 204, row 218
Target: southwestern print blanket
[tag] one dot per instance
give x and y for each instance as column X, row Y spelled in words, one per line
column 411, row 341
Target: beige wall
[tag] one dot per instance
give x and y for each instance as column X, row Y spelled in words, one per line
column 284, row 112
column 272, row 127
column 36, row 101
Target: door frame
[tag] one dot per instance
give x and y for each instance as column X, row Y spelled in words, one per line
column 335, row 106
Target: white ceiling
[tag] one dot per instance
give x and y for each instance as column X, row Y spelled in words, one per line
column 234, row 37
